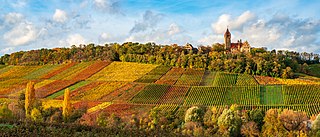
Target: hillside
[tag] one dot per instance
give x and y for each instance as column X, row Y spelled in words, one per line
column 314, row 70
column 124, row 88
column 258, row 61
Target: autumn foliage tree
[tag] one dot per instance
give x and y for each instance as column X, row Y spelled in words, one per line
column 250, row 129
column 66, row 110
column 316, row 126
column 229, row 122
column 293, row 121
column 272, row 125
column 29, row 98
column 258, row 61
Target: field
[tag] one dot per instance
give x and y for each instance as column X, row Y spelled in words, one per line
column 314, row 70
column 171, row 76
column 71, row 72
column 123, row 71
column 124, row 88
column 263, row 80
column 15, row 72
column 98, row 92
column 151, row 94
column 271, row 95
column 208, row 78
column 11, row 85
column 71, row 88
column 225, row 79
column 174, row 95
column 191, row 77
column 154, row 74
column 207, row 96
column 301, row 94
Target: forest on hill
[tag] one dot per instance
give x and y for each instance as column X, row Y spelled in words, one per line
column 258, row 62
column 98, row 98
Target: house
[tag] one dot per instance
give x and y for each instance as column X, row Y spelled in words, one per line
column 235, row 47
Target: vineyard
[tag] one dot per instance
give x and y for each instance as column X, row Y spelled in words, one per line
column 153, row 75
column 208, row 78
column 122, row 71
column 124, row 88
column 225, row 79
column 151, row 94
column 190, row 77
column 171, row 76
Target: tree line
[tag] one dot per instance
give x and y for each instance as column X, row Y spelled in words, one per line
column 258, row 62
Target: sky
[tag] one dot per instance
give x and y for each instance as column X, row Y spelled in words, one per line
column 275, row 24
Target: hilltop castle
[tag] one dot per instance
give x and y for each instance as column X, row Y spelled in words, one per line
column 235, row 47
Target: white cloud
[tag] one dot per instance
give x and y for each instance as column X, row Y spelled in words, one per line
column 101, row 3
column 21, row 34
column 13, row 18
column 149, row 20
column 260, row 35
column 235, row 24
column 6, row 50
column 174, row 29
column 19, row 4
column 73, row 39
column 154, row 36
column 111, row 6
column 289, row 34
column 281, row 32
column 60, row 16
column 211, row 39
column 105, row 38
column 161, row 36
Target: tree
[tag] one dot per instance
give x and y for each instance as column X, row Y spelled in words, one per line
column 29, row 98
column 272, row 125
column 154, row 115
column 102, row 120
column 5, row 112
column 287, row 73
column 229, row 122
column 194, row 114
column 66, row 111
column 293, row 120
column 257, row 116
column 112, row 121
column 36, row 115
column 250, row 129
column 316, row 126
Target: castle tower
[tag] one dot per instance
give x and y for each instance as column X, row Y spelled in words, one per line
column 227, row 39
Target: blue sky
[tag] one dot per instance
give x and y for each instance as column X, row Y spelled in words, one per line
column 275, row 24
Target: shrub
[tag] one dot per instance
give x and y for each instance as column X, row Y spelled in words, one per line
column 56, row 117
column 250, row 129
column 76, row 114
column 272, row 125
column 316, row 126
column 47, row 113
column 5, row 112
column 110, row 122
column 257, row 115
column 293, row 120
column 194, row 114
column 229, row 122
column 36, row 115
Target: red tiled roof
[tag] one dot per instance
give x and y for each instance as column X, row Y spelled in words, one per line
column 234, row 45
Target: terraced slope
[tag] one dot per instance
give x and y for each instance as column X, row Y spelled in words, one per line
column 102, row 86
